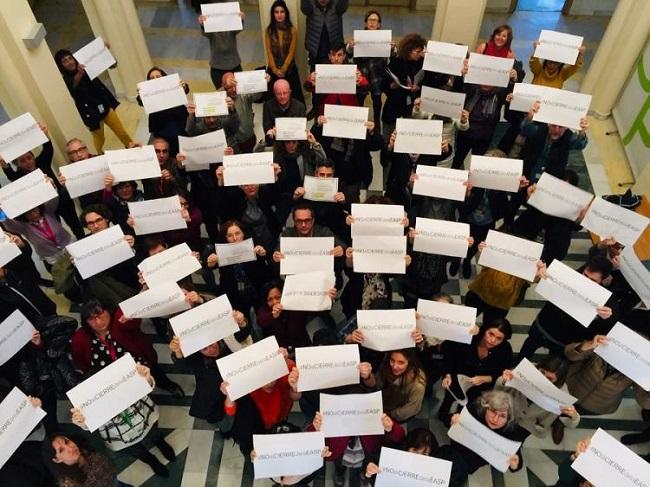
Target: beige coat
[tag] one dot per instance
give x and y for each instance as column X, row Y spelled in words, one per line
column 596, row 391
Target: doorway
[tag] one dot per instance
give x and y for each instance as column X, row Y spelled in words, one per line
column 540, row 5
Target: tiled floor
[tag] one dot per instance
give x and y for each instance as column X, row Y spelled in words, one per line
column 175, row 44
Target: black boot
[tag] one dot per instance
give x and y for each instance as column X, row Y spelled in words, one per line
column 166, row 449
column 153, row 462
column 636, row 438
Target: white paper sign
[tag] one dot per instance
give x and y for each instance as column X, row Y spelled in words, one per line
column 557, row 46
column 491, row 446
column 351, row 414
column 559, row 198
column 372, row 43
column 441, row 237
column 288, row 454
column 308, row 291
column 87, row 176
column 377, row 220
column 386, row 329
column 512, row 255
column 336, row 78
column 204, row 325
column 163, row 300
column 442, row 102
column 345, row 122
column 249, row 82
column 290, row 128
column 169, row 265
column 17, row 419
column 162, row 93
column 609, row 220
column 446, row 321
column 575, row 294
column 608, row 462
column 562, row 107
column 100, row 251
column 536, row 387
column 132, row 164
column 306, row 254
column 407, row 469
column 488, row 70
column 255, row 168
column 524, row 95
column 20, row 135
column 441, row 182
column 25, row 193
column 202, row 150
column 379, row 254
column 221, row 17
column 444, row 57
column 235, row 253
column 109, row 392
column 636, row 274
column 498, row 173
column 320, row 189
column 8, row 250
column 252, row 367
column 95, row 57
column 418, row 136
column 15, row 331
column 327, row 366
column 629, row 353
column 210, row 104
column 158, row 215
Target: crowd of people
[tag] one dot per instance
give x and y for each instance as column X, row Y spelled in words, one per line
column 62, row 353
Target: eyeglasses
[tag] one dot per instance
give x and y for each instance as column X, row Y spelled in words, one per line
column 95, row 222
column 305, row 221
column 81, row 149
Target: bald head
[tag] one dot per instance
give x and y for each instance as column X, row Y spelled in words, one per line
column 282, row 92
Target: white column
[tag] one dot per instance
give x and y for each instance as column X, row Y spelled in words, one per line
column 458, row 21
column 30, row 80
column 618, row 51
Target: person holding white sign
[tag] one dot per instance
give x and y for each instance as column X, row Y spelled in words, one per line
column 288, row 327
column 370, row 445
column 598, row 386
column 104, row 337
column 224, row 55
column 282, row 105
column 208, row 400
column 126, row 431
column 534, row 418
column 336, row 57
column 117, row 199
column 552, row 73
column 494, row 410
column 262, row 409
column 482, row 362
column 242, row 282
column 402, row 381
column 329, row 213
column 373, row 68
column 170, row 122
column 554, row 328
column 95, row 103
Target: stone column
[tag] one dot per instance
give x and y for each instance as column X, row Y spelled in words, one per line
column 617, row 54
column 458, row 21
column 117, row 22
column 30, row 80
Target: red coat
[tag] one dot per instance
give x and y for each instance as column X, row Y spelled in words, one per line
column 127, row 335
column 371, row 444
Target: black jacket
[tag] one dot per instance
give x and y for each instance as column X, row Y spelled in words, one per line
column 92, row 98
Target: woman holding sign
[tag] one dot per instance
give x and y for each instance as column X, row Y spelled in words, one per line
column 95, row 103
column 495, row 410
column 472, row 369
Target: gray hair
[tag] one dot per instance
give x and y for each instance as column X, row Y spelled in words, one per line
column 497, row 401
